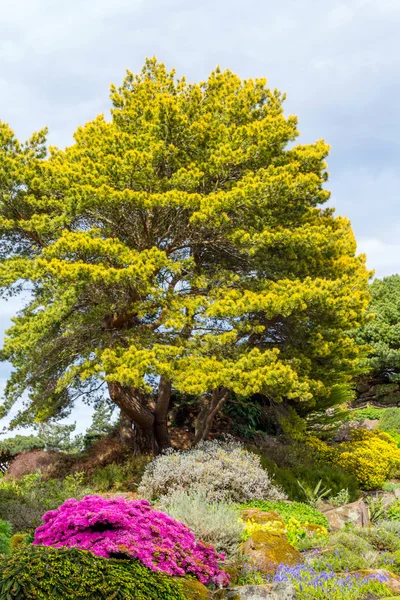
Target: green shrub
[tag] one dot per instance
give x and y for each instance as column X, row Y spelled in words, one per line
column 228, row 472
column 391, row 526
column 304, row 469
column 341, row 559
column 39, row 573
column 216, row 523
column 390, row 420
column 116, row 477
column 23, row 502
column 5, row 535
column 298, row 510
column 381, row 539
column 370, row 412
column 109, row 477
column 393, row 511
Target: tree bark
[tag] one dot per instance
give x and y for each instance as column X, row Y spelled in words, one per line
column 150, row 431
column 125, row 430
column 132, row 403
column 161, row 414
column 210, row 407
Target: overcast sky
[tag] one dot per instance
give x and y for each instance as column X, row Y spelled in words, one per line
column 338, row 62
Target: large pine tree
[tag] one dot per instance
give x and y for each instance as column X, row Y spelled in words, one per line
column 183, row 244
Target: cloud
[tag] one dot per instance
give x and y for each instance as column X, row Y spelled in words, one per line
column 382, row 257
column 339, row 63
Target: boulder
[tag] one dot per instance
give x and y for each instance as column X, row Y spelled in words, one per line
column 370, row 424
column 269, row 549
column 355, row 513
column 276, row 591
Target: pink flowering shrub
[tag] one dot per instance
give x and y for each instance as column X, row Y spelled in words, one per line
column 116, row 527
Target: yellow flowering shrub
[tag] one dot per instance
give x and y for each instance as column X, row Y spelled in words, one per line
column 372, row 456
column 293, row 529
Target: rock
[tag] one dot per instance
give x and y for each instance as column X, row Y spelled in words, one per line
column 355, row 513
column 258, row 516
column 268, row 549
column 370, row 424
column 393, row 581
column 276, row 591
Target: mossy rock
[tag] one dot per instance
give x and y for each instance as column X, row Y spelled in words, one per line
column 194, row 590
column 233, row 573
column 269, row 549
column 259, row 516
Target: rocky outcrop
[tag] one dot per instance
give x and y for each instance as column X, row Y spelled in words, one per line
column 381, row 393
column 355, row 514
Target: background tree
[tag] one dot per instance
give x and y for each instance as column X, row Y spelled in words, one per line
column 181, row 245
column 382, row 333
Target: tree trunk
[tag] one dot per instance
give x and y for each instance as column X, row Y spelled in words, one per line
column 125, row 430
column 210, row 407
column 161, row 414
column 150, row 431
column 132, row 404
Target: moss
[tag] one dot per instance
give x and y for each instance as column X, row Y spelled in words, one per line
column 194, row 590
column 269, row 549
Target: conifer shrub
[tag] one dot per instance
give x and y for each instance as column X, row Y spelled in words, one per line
column 42, row 573
column 228, row 472
column 119, row 528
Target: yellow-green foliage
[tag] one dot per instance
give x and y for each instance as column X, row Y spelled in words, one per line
column 293, row 529
column 373, row 456
column 18, row 540
column 44, row 573
column 165, row 238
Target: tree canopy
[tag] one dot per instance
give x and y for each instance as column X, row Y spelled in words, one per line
column 382, row 332
column 182, row 244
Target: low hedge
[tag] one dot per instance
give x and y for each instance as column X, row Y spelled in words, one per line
column 41, row 573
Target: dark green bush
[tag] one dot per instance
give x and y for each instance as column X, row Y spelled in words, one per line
column 309, row 474
column 299, row 511
column 43, row 573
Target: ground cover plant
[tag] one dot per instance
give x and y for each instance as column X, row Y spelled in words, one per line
column 39, row 573
column 297, row 510
column 117, row 527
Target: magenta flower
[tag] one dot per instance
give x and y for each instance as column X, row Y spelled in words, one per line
column 118, row 528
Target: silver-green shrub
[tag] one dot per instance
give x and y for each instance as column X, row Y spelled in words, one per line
column 225, row 469
column 216, row 523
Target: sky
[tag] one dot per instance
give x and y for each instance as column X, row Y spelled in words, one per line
column 338, row 62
